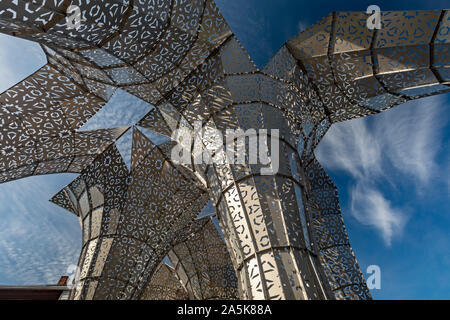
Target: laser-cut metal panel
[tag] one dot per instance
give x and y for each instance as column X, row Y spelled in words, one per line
column 63, row 200
column 357, row 72
column 203, row 266
column 49, row 101
column 35, row 146
column 83, row 73
column 28, row 17
column 39, row 117
column 164, row 285
column 45, row 21
column 260, row 216
column 202, row 93
column 144, row 47
column 128, row 223
column 187, row 63
column 329, row 233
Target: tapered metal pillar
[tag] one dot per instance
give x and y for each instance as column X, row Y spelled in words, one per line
column 263, row 217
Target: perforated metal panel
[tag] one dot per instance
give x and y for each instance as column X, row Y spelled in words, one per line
column 283, row 229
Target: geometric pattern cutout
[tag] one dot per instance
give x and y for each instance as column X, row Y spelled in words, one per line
column 164, row 285
column 127, row 226
column 203, row 266
column 63, row 151
column 330, row 236
column 283, row 231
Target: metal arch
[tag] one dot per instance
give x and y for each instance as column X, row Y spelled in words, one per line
column 203, row 265
column 128, row 228
column 164, row 285
column 192, row 68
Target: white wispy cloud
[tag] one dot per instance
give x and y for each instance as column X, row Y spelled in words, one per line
column 403, row 142
column 38, row 240
column 18, row 59
column 370, row 207
column 351, row 147
column 412, row 137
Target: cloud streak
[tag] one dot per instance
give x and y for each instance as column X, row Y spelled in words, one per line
column 403, row 143
column 371, row 208
column 412, row 137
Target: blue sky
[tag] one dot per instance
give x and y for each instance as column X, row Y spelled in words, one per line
column 392, row 170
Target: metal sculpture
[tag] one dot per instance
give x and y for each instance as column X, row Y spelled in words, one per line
column 164, row 285
column 39, row 118
column 128, row 226
column 203, row 265
column 281, row 220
